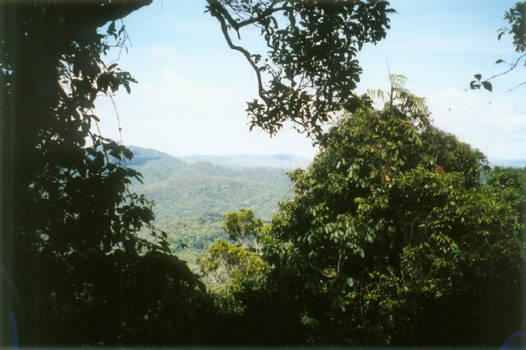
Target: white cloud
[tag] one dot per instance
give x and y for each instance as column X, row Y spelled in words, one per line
column 183, row 113
column 494, row 123
column 192, row 114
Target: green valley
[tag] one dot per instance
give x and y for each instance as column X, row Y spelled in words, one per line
column 190, row 197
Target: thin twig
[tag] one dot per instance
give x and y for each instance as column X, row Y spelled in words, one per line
column 118, row 117
column 517, row 86
column 512, row 67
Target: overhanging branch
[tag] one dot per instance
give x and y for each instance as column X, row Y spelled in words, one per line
column 215, row 10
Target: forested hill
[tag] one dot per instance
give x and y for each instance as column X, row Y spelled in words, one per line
column 183, row 189
column 190, row 198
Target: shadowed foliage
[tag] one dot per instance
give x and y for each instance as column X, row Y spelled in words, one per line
column 69, row 224
column 71, row 249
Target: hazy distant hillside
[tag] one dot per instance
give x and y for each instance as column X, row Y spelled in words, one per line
column 191, row 197
column 142, row 156
column 184, row 189
column 281, row 161
column 514, row 163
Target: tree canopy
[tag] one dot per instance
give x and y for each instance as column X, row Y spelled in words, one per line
column 398, row 234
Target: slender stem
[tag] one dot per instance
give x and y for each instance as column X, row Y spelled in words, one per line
column 517, row 86
column 512, row 67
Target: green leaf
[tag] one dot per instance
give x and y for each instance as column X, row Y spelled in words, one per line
column 487, row 85
column 478, row 76
column 111, row 28
column 127, row 153
column 500, row 60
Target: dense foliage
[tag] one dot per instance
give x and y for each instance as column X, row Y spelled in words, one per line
column 237, row 276
column 69, row 223
column 393, row 237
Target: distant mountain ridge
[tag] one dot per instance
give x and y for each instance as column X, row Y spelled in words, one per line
column 280, row 161
column 142, row 156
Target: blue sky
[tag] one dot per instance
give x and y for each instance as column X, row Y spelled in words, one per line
column 192, row 89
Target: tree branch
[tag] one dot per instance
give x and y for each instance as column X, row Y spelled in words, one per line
column 215, row 10
column 512, row 67
column 264, row 14
column 517, row 86
column 238, row 25
column 226, row 14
